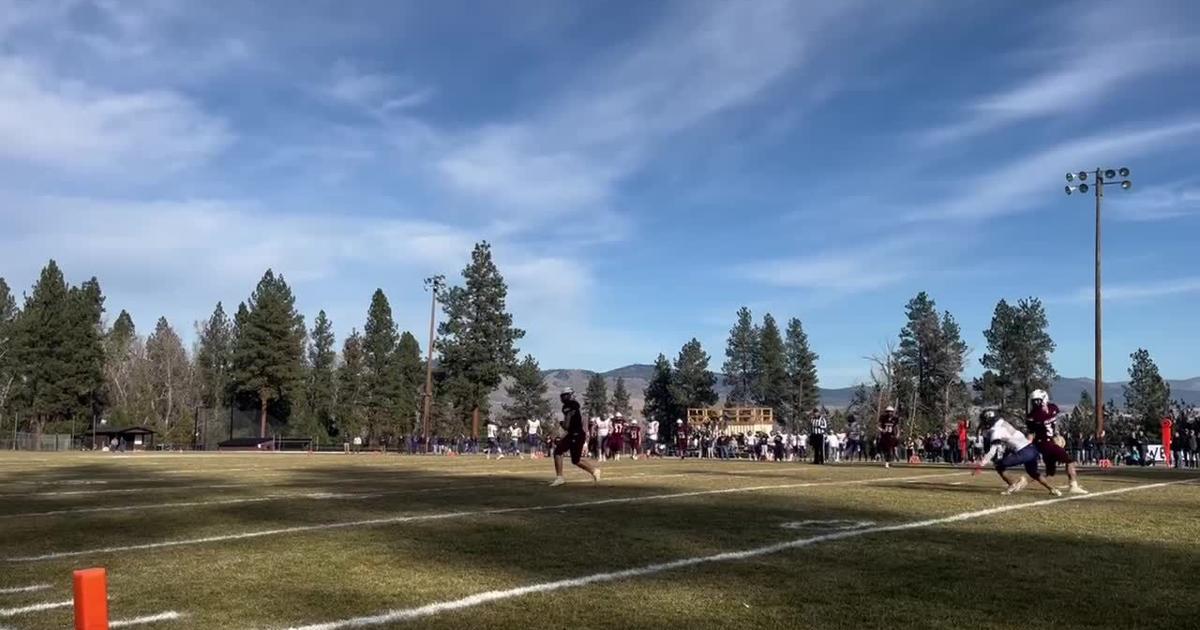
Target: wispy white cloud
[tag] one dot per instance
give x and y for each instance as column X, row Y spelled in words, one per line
column 1013, row 188
column 1113, row 45
column 1135, row 292
column 377, row 93
column 70, row 125
column 571, row 154
column 841, row 270
column 1159, row 203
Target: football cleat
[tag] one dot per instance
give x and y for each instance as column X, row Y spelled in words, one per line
column 558, row 481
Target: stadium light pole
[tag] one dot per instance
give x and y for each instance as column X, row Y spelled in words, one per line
column 1103, row 177
column 434, row 285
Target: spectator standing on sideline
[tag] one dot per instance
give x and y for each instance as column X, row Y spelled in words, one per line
column 835, row 447
column 820, row 426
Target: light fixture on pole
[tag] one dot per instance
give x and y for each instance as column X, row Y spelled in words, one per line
column 1102, row 178
column 434, row 285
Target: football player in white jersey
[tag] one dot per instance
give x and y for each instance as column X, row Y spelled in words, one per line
column 1017, row 450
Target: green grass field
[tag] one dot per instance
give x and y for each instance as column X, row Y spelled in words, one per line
column 282, row 541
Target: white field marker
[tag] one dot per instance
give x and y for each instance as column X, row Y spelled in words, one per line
column 12, row 590
column 429, row 610
column 32, row 608
column 169, row 615
column 391, row 520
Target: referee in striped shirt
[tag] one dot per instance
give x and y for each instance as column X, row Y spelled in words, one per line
column 820, row 426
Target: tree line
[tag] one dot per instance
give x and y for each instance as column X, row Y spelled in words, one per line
column 63, row 367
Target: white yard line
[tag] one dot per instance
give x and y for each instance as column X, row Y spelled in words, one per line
column 32, row 608
column 308, row 496
column 64, row 493
column 408, row 614
column 12, row 590
column 169, row 615
column 446, row 515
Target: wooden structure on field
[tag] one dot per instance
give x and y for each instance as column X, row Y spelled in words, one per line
column 731, row 420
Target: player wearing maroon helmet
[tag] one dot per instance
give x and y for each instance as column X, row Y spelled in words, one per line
column 889, row 433
column 681, row 438
column 633, row 436
column 1042, row 429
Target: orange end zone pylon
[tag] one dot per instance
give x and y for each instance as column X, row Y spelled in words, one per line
column 91, row 599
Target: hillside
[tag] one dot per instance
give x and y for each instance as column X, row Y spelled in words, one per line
column 1064, row 390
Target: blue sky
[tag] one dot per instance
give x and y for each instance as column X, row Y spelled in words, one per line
column 642, row 169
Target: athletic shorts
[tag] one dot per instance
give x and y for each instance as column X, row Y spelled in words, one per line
column 1027, row 457
column 1052, row 455
column 887, row 444
column 572, row 444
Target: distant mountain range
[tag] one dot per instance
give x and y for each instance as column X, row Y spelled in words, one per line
column 1064, row 390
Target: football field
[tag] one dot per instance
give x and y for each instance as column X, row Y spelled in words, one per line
column 277, row 541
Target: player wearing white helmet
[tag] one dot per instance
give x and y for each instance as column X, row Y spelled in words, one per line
column 889, row 434
column 1017, row 450
column 1041, row 425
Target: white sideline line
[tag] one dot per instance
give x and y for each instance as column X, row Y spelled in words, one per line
column 64, row 493
column 445, row 515
column 137, row 621
column 32, row 608
column 428, row 610
column 308, row 496
column 23, row 589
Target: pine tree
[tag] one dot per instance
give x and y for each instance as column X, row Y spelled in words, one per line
column 380, row 377
column 127, row 375
column 620, row 399
column 45, row 354
column 740, row 360
column 771, row 388
column 595, row 398
column 989, row 390
column 320, row 388
column 917, row 357
column 692, row 381
column 86, row 366
column 528, row 393
column 349, row 414
column 1018, row 351
column 268, row 350
column 477, row 338
column 1147, row 396
column 214, row 354
column 411, row 376
column 660, row 402
column 169, row 377
column 803, row 394
column 950, row 361
column 1083, row 417
column 8, row 344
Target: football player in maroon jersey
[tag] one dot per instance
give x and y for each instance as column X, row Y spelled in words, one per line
column 633, row 435
column 1041, row 426
column 616, row 439
column 889, row 433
